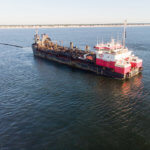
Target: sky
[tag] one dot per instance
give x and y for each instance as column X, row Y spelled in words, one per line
column 73, row 11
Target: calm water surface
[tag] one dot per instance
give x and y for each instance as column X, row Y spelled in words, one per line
column 45, row 105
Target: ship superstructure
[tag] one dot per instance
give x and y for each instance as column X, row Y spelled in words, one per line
column 117, row 57
column 108, row 45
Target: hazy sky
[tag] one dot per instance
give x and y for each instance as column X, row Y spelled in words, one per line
column 73, row 11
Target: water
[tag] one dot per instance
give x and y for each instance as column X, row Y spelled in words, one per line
column 45, row 105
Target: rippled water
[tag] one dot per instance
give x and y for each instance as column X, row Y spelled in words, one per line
column 45, row 105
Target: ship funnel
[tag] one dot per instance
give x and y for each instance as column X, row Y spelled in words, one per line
column 71, row 45
column 87, row 48
column 55, row 45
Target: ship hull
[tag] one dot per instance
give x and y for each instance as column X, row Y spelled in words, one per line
column 80, row 64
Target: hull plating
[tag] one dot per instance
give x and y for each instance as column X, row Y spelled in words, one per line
column 81, row 64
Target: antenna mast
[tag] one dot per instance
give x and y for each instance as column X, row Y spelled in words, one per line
column 124, row 33
column 36, row 31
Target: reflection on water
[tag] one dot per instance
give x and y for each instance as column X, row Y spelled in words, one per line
column 46, row 105
column 135, row 82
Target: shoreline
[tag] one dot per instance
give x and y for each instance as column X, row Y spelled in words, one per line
column 70, row 26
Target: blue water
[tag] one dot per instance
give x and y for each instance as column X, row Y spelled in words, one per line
column 49, row 106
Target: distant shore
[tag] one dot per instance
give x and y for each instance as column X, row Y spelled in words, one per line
column 71, row 25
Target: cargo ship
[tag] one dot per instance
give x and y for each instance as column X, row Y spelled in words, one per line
column 111, row 59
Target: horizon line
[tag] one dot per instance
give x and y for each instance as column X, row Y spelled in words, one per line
column 71, row 25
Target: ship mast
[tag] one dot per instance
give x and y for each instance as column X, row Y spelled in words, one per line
column 124, row 34
column 36, row 31
column 36, row 36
